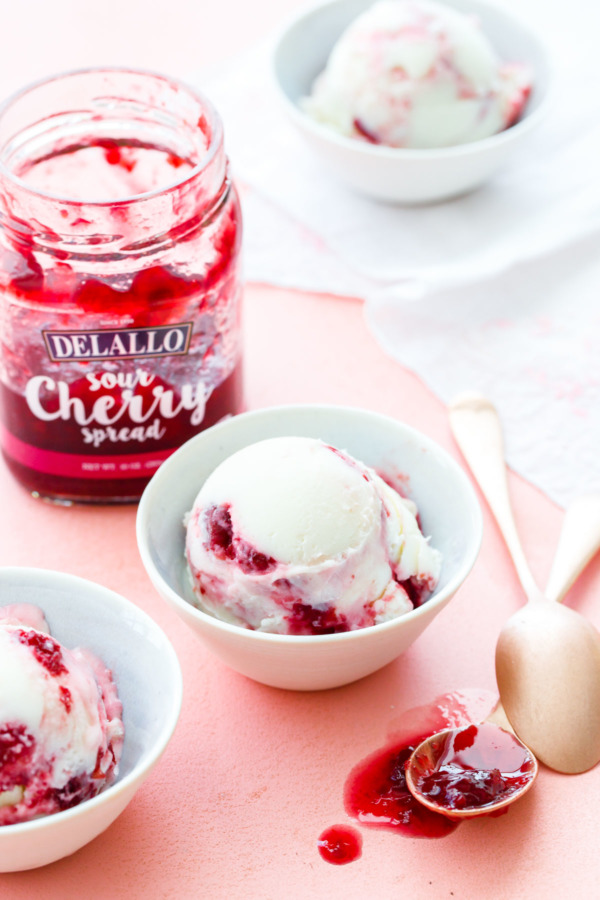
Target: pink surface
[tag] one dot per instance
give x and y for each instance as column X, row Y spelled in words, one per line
column 254, row 775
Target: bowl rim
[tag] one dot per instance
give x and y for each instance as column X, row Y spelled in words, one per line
column 123, row 785
column 435, row 601
column 380, row 151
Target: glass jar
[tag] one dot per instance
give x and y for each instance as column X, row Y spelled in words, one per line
column 120, row 281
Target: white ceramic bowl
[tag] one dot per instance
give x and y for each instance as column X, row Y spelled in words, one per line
column 403, row 175
column 148, row 678
column 449, row 512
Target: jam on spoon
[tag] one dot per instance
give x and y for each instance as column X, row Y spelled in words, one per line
column 471, row 771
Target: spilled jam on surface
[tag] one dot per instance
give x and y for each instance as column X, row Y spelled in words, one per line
column 340, row 844
column 376, row 794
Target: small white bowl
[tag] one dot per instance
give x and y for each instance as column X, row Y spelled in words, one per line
column 403, row 175
column 148, row 678
column 449, row 513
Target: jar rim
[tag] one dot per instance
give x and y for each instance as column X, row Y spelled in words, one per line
column 214, row 120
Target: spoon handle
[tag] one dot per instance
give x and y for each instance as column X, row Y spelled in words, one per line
column 579, row 541
column 476, row 428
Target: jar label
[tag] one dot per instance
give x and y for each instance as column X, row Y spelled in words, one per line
column 76, row 465
column 122, row 343
column 109, row 399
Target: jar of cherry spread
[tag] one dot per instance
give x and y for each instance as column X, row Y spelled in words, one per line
column 119, row 281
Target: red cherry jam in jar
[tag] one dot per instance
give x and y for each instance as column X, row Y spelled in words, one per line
column 120, row 281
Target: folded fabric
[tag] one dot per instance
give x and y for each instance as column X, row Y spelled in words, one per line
column 496, row 290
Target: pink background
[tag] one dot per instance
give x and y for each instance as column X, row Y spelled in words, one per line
column 253, row 774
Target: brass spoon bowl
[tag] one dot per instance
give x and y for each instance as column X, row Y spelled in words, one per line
column 476, row 770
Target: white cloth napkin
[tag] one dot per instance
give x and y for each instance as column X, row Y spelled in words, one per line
column 497, row 291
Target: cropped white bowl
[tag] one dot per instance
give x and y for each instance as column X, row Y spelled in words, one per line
column 404, row 175
column 148, row 678
column 449, row 513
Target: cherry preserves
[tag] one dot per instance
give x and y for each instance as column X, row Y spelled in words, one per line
column 120, row 285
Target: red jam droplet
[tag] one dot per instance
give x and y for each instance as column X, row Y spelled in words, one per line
column 340, row 844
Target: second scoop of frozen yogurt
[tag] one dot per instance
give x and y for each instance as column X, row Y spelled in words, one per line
column 417, row 74
column 61, row 728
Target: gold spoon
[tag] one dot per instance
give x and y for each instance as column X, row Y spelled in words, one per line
column 439, row 775
column 547, row 656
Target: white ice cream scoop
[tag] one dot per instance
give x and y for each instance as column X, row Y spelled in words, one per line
column 293, row 536
column 417, row 74
column 405, row 174
column 61, row 731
